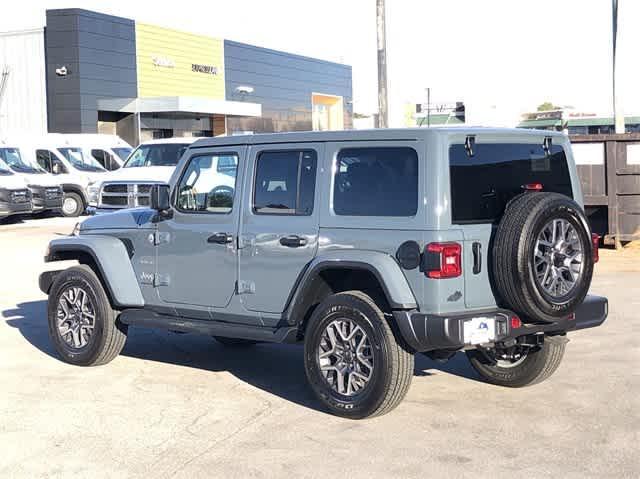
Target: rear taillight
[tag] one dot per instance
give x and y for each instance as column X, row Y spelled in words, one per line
column 595, row 241
column 443, row 260
column 533, row 187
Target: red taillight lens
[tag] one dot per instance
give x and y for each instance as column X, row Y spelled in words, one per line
column 595, row 241
column 448, row 263
column 532, row 187
column 515, row 322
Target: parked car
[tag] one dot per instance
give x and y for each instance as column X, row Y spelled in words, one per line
column 15, row 197
column 151, row 163
column 46, row 192
column 71, row 167
column 110, row 151
column 367, row 246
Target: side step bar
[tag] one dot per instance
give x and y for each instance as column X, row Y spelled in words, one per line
column 151, row 319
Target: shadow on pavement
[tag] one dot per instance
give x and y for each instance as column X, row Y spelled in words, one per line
column 274, row 368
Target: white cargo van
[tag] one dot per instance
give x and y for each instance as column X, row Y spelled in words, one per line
column 46, row 192
column 15, row 197
column 109, row 150
column 73, row 169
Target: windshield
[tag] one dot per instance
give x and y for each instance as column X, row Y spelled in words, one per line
column 80, row 161
column 123, row 153
column 4, row 169
column 12, row 157
column 164, row 154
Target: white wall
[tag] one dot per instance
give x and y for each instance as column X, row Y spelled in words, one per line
column 23, row 107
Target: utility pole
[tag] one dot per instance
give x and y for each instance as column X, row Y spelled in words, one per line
column 618, row 115
column 383, row 111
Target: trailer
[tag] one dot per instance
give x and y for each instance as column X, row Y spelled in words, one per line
column 609, row 170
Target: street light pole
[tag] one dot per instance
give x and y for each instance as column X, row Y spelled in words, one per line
column 383, row 112
column 618, row 116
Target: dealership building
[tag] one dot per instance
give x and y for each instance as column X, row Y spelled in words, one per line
column 87, row 72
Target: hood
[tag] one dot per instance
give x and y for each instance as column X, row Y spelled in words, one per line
column 155, row 174
column 136, row 218
column 38, row 179
column 12, row 182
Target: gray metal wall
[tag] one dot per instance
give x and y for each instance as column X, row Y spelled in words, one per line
column 99, row 52
column 283, row 84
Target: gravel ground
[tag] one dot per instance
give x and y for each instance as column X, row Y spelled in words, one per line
column 183, row 406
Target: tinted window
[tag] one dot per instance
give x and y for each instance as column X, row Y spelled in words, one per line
column 163, row 154
column 285, row 182
column 203, row 189
column 482, row 185
column 48, row 160
column 122, row 152
column 105, row 159
column 376, row 182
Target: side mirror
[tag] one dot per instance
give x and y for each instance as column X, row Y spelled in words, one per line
column 55, row 169
column 160, row 198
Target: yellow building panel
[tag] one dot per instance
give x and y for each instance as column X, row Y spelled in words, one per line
column 175, row 63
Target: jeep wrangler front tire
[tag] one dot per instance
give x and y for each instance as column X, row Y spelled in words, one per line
column 353, row 362
column 82, row 324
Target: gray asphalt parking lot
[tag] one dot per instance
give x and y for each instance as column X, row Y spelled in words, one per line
column 183, row 406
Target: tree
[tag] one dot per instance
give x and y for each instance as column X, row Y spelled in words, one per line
column 547, row 105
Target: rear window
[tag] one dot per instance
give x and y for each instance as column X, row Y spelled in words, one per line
column 376, row 182
column 482, row 185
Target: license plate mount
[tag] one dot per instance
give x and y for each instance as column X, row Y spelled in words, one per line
column 480, row 330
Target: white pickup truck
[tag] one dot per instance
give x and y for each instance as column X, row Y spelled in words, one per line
column 152, row 162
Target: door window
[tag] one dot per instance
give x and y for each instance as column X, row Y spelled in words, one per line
column 50, row 162
column 106, row 159
column 376, row 181
column 285, row 182
column 208, row 184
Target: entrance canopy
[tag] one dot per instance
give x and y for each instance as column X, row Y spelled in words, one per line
column 184, row 104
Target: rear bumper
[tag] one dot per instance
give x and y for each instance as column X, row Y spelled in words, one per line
column 427, row 332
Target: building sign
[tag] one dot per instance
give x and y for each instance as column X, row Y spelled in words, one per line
column 163, row 62
column 182, row 64
column 210, row 69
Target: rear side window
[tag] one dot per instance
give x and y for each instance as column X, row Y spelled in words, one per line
column 285, row 182
column 381, row 181
column 482, row 185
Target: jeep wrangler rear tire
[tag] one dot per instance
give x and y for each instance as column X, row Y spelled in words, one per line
column 82, row 324
column 536, row 366
column 542, row 256
column 353, row 362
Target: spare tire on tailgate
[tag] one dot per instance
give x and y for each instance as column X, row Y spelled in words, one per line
column 542, row 256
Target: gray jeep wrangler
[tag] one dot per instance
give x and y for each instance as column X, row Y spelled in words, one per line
column 366, row 246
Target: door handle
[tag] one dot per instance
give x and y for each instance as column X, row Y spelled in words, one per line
column 477, row 257
column 293, row 241
column 220, row 238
